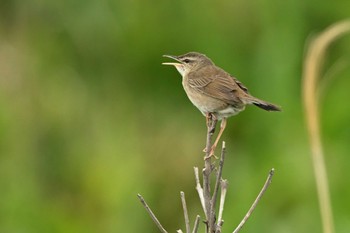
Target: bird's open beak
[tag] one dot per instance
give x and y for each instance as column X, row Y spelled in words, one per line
column 172, row 63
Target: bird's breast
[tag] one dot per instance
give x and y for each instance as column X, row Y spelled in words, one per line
column 205, row 103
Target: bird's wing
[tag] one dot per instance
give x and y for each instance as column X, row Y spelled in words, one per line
column 241, row 85
column 220, row 86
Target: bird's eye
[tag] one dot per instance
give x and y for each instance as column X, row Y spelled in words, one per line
column 187, row 60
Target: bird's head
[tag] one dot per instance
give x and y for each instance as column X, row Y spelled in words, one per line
column 188, row 62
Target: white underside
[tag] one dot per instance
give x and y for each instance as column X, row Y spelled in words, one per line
column 227, row 112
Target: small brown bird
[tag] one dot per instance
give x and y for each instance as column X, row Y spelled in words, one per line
column 212, row 90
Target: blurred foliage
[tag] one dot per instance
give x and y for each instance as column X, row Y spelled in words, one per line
column 89, row 117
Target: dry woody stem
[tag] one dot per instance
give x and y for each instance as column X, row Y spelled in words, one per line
column 154, row 218
column 196, row 224
column 184, row 206
column 255, row 203
column 209, row 198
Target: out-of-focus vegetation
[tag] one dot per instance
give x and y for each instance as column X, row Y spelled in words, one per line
column 89, row 117
column 314, row 58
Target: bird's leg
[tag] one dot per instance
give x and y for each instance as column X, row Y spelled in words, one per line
column 222, row 128
column 211, row 124
column 211, row 121
column 209, row 118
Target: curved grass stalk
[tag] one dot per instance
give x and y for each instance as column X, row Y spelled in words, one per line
column 312, row 67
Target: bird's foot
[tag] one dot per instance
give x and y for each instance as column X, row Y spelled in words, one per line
column 211, row 154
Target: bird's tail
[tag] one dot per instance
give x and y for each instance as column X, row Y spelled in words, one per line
column 263, row 104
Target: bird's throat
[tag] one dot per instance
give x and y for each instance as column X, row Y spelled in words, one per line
column 181, row 69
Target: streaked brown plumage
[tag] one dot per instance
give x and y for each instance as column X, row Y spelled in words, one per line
column 212, row 90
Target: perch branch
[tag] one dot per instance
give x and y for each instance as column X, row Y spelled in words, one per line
column 184, row 206
column 208, row 168
column 154, row 218
column 255, row 203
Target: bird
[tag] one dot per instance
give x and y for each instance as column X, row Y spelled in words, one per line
column 216, row 93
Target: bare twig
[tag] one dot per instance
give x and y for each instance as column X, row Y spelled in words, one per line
column 223, row 184
column 312, row 67
column 255, row 203
column 200, row 190
column 220, row 222
column 218, row 178
column 154, row 218
column 184, row 206
column 196, row 224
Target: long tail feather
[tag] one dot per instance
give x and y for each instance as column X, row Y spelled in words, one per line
column 267, row 106
column 262, row 104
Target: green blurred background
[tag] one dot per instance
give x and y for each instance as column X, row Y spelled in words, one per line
column 89, row 117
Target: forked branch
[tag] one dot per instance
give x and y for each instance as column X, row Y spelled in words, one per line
column 208, row 199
